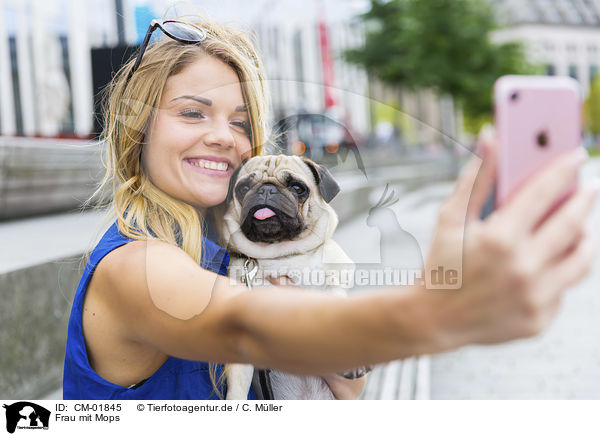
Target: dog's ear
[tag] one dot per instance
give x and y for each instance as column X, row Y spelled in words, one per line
column 232, row 181
column 328, row 187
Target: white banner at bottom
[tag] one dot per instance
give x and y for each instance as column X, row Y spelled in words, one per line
column 463, row 418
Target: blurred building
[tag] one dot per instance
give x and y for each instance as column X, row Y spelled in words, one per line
column 302, row 78
column 563, row 35
column 46, row 77
column 47, row 47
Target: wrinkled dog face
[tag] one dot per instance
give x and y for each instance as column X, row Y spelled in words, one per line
column 271, row 210
column 277, row 198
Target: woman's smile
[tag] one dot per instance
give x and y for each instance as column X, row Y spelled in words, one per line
column 216, row 167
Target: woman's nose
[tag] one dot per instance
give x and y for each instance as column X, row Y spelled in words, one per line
column 219, row 134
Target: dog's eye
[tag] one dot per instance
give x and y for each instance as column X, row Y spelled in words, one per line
column 242, row 190
column 298, row 189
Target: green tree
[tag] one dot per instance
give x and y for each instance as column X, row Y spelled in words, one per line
column 591, row 110
column 439, row 44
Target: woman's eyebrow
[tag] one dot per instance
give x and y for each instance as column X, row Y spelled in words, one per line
column 208, row 102
column 197, row 98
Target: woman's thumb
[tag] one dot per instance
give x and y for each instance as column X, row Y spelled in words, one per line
column 454, row 209
column 474, row 183
column 486, row 174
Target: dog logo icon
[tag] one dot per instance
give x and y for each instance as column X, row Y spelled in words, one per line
column 26, row 415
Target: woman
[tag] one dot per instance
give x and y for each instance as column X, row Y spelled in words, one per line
column 153, row 306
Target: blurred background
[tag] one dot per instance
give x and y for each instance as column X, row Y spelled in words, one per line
column 383, row 92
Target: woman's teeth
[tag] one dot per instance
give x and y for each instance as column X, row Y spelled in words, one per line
column 211, row 165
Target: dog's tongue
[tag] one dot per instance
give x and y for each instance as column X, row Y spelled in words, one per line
column 264, row 213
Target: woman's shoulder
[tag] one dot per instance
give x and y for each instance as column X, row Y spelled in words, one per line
column 144, row 279
column 118, row 258
column 115, row 244
column 122, row 259
column 138, row 255
column 110, row 241
column 141, row 276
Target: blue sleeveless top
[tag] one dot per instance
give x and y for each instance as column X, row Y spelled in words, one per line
column 176, row 379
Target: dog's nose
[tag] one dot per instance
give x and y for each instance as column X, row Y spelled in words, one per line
column 267, row 189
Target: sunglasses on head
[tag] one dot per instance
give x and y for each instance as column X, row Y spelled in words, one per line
column 177, row 30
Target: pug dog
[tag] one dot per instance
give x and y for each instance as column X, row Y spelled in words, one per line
column 278, row 214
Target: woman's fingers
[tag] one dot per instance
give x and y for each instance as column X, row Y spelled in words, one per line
column 533, row 201
column 274, row 281
column 565, row 226
column 281, row 281
column 573, row 267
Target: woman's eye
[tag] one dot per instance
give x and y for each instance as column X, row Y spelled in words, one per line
column 244, row 125
column 192, row 113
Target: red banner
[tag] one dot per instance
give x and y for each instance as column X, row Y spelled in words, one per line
column 327, row 65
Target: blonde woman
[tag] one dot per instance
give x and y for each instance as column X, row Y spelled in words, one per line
column 155, row 318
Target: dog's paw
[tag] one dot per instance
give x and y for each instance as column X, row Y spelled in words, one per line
column 239, row 380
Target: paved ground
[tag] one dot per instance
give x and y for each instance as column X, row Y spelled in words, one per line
column 33, row 241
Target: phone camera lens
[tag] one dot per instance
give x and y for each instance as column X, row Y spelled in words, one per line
column 514, row 96
column 542, row 139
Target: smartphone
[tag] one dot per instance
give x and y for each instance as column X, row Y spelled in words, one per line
column 537, row 118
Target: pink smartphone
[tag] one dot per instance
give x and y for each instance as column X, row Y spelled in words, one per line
column 537, row 119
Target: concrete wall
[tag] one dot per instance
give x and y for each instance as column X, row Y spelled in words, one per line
column 46, row 175
column 35, row 308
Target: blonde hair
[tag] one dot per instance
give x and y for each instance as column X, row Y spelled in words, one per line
column 142, row 210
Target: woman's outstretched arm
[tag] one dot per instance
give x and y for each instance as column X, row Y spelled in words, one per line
column 162, row 299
